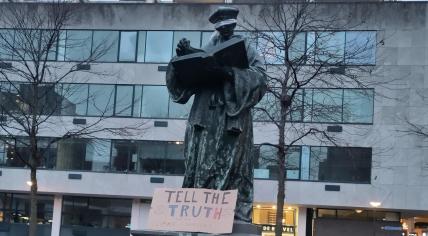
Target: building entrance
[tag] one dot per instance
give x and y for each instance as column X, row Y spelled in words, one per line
column 265, row 215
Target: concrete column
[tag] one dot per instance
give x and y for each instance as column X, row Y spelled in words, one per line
column 139, row 215
column 56, row 217
column 301, row 221
column 135, row 214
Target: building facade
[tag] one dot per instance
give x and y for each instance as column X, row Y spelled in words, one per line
column 373, row 183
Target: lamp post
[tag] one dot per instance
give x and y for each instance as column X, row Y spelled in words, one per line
column 375, row 205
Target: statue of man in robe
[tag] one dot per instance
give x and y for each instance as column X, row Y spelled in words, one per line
column 219, row 133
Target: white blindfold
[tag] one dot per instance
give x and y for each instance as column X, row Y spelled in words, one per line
column 225, row 22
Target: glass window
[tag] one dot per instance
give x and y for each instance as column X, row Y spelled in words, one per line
column 71, row 204
column 123, row 105
column 310, row 47
column 105, row 45
column 292, row 163
column 3, row 158
column 267, row 108
column 74, row 99
column 330, row 47
column 124, row 155
column 96, row 212
column 78, row 45
column 358, row 105
column 318, row 156
column 177, row 110
column 138, row 92
column 141, row 46
column 10, row 99
column 83, row 154
column 174, row 159
column 98, row 154
column 297, row 49
column 193, row 36
column 48, row 151
column 100, row 100
column 18, row 97
column 19, row 152
column 326, row 213
column 305, row 162
column 295, row 112
column 358, row 214
column 307, row 104
column 48, row 101
column 151, row 157
column 338, row 105
column 6, row 44
column 27, row 44
column 327, row 105
column 266, row 215
column 339, row 164
column 266, row 163
column 48, row 43
column 352, row 214
column 360, row 48
column 159, row 46
column 61, row 45
column 160, row 157
column 128, row 46
column 155, row 102
column 15, row 208
column 268, row 47
column 206, row 36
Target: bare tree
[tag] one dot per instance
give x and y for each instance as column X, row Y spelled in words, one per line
column 33, row 95
column 418, row 128
column 306, row 57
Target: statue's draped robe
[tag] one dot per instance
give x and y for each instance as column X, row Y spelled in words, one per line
column 215, row 157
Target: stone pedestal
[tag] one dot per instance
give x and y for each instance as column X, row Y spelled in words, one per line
column 239, row 229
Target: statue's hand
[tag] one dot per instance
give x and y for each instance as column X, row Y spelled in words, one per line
column 183, row 47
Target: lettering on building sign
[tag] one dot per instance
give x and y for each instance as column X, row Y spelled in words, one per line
column 271, row 228
column 393, row 228
column 192, row 210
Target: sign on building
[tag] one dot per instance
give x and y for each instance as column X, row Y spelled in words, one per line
column 192, row 210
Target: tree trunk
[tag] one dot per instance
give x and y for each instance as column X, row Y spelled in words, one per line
column 35, row 160
column 281, row 175
column 33, row 203
column 285, row 103
column 281, row 183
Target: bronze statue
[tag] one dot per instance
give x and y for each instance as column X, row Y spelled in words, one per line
column 219, row 134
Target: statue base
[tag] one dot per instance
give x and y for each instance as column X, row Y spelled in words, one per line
column 239, row 229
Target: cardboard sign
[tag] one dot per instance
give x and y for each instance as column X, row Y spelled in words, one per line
column 192, row 210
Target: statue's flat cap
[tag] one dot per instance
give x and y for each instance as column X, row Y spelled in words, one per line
column 223, row 13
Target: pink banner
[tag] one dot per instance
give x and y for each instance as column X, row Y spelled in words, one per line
column 192, row 210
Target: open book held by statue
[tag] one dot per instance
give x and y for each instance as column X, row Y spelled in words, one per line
column 196, row 69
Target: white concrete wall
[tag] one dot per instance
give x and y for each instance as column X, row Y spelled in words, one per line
column 92, row 183
column 136, row 186
column 140, row 215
